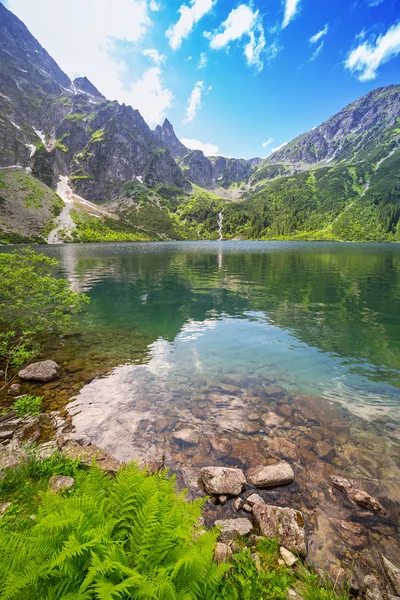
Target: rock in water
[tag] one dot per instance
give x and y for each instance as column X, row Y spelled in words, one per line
column 284, row 524
column 187, row 436
column 271, row 476
column 372, row 588
column 222, row 480
column 45, row 370
column 232, row 528
column 254, row 499
column 393, row 574
column 60, row 482
column 360, row 497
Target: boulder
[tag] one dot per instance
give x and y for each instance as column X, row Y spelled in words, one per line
column 238, row 504
column 284, row 524
column 60, row 482
column 393, row 574
column 288, row 557
column 270, row 476
column 232, row 528
column 222, row 480
column 86, row 455
column 372, row 589
column 45, row 370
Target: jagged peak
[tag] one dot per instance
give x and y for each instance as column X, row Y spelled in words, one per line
column 82, row 84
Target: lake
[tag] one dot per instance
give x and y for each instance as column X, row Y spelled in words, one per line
column 265, row 350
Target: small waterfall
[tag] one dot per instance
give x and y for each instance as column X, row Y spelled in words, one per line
column 220, row 219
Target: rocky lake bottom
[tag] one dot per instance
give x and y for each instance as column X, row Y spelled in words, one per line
column 189, row 358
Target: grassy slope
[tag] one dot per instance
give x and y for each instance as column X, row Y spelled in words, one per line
column 27, row 207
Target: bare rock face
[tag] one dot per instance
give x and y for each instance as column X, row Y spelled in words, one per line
column 372, row 588
column 223, row 553
column 393, row 574
column 222, row 480
column 271, row 476
column 45, row 370
column 232, row 528
column 60, row 482
column 359, row 497
column 284, row 524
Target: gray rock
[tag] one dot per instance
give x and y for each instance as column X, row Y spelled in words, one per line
column 372, row 588
column 45, row 370
column 14, row 389
column 284, row 524
column 60, row 482
column 392, row 573
column 270, row 476
column 222, row 553
column 222, row 480
column 237, row 504
column 288, row 557
column 232, row 528
column 360, row 497
column 191, row 477
column 254, row 499
column 187, row 436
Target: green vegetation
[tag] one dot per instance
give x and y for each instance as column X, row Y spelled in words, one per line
column 104, row 229
column 28, row 406
column 33, row 304
column 131, row 536
column 98, row 136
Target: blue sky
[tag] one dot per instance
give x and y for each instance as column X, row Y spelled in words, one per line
column 237, row 78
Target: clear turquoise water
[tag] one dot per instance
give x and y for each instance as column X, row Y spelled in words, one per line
column 320, row 318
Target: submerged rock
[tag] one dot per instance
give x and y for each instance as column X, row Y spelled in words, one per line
column 393, row 574
column 45, row 370
column 372, row 588
column 14, row 389
column 360, row 497
column 187, row 436
column 270, row 476
column 222, row 480
column 284, row 524
column 232, row 528
column 284, row 448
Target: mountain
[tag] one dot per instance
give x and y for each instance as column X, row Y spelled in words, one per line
column 60, row 127
column 208, row 172
column 122, row 181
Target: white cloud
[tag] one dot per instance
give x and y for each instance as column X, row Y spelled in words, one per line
column 291, row 8
column 154, row 5
column 317, row 52
column 315, row 38
column 242, row 21
column 278, row 147
column 268, row 142
column 208, row 149
column 151, row 98
column 155, row 56
column 203, row 61
column 365, row 60
column 189, row 16
column 194, row 102
column 90, row 49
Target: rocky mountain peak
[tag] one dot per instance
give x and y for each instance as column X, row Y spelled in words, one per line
column 169, row 140
column 82, row 84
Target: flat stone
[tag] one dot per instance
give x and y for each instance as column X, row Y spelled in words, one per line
column 191, row 477
column 284, row 524
column 86, row 455
column 14, row 389
column 45, row 370
column 232, row 528
column 254, row 499
column 80, row 438
column 324, row 450
column 288, row 557
column 223, row 553
column 222, row 480
column 359, row 497
column 271, row 476
column 392, row 573
column 60, row 482
column 220, row 444
column 187, row 436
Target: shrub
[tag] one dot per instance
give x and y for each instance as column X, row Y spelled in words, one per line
column 131, row 536
column 28, row 405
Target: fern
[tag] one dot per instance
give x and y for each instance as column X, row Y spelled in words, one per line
column 131, row 536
